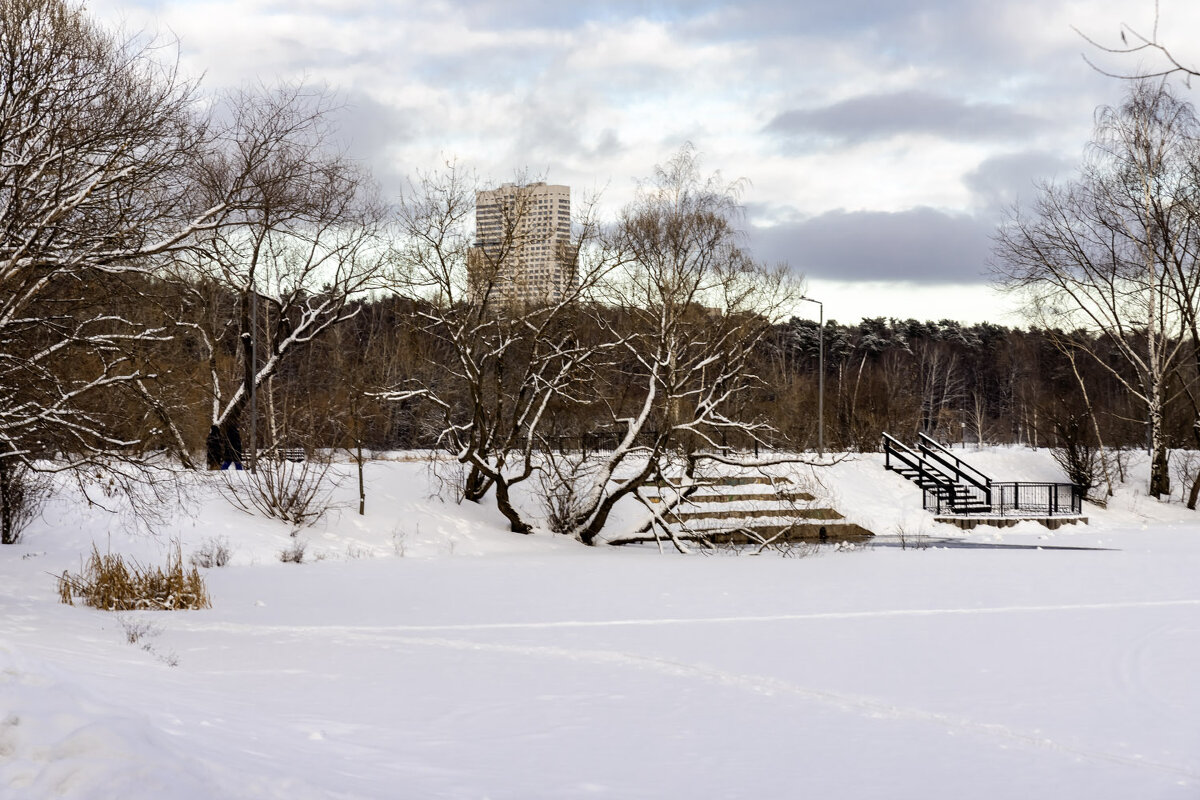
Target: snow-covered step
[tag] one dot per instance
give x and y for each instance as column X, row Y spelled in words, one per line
column 679, row 481
column 754, row 513
column 706, row 495
column 757, row 533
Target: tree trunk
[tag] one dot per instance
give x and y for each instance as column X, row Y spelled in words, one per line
column 504, row 505
column 1160, row 475
column 476, row 485
column 7, row 501
column 223, row 445
column 362, row 491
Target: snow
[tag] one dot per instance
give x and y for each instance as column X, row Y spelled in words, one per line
column 423, row 651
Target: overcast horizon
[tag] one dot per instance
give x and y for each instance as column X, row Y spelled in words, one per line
column 881, row 143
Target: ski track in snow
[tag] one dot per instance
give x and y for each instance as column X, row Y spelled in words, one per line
column 763, row 685
column 234, row 627
column 864, row 706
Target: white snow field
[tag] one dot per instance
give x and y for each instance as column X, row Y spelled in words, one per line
column 431, row 654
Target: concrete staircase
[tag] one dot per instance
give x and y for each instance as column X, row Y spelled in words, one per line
column 746, row 510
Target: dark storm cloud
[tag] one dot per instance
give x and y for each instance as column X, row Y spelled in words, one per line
column 1005, row 180
column 879, row 116
column 367, row 129
column 920, row 245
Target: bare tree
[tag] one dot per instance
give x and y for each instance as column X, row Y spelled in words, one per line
column 942, row 387
column 1165, row 64
column 358, row 357
column 304, row 238
column 693, row 311
column 510, row 358
column 1112, row 255
column 97, row 139
column 1134, row 42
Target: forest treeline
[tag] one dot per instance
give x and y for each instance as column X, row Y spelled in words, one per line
column 958, row 383
column 981, row 383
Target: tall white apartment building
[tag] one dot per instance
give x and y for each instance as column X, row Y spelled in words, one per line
column 522, row 248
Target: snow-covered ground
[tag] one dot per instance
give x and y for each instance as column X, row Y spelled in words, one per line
column 423, row 652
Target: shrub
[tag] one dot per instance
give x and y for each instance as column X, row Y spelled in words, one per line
column 910, row 539
column 22, row 494
column 293, row 554
column 138, row 629
column 1076, row 453
column 295, row 492
column 213, row 553
column 141, row 632
column 110, row 583
column 562, row 486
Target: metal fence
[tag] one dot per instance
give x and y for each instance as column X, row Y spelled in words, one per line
column 958, row 499
column 1014, row 499
column 1049, row 499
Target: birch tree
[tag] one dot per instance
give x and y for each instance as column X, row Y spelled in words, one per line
column 1112, row 254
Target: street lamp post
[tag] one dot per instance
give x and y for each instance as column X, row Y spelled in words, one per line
column 253, row 460
column 820, row 374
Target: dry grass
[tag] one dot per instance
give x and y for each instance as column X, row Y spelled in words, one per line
column 293, row 554
column 110, row 583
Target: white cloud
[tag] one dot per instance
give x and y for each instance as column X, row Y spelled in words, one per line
column 597, row 93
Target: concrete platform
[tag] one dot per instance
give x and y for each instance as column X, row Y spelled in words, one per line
column 973, row 521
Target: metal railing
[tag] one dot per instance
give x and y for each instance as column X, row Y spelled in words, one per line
column 962, row 471
column 1013, row 499
column 958, row 499
column 909, row 460
column 952, row 486
column 1048, row 499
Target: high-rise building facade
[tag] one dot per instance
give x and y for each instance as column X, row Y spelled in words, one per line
column 522, row 248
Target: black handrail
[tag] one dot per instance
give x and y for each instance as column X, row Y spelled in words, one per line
column 935, row 450
column 913, row 460
column 961, row 469
column 952, row 485
column 893, row 447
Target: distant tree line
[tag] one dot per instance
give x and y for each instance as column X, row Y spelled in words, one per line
column 982, row 383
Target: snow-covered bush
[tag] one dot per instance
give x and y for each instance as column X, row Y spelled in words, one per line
column 213, row 553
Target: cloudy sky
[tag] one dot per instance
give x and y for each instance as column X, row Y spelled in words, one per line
column 881, row 139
